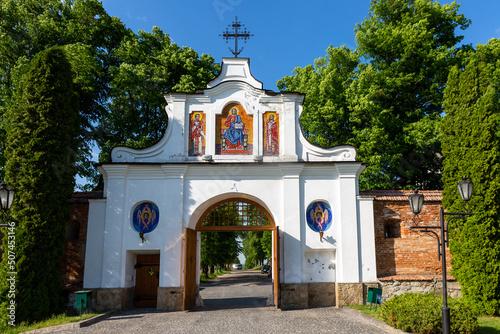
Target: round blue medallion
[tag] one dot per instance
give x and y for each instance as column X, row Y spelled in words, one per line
column 145, row 217
column 319, row 216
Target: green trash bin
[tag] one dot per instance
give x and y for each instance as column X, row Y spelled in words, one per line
column 83, row 300
column 374, row 295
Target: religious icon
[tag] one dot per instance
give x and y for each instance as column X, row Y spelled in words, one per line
column 145, row 217
column 235, row 128
column 197, row 134
column 319, row 217
column 271, row 138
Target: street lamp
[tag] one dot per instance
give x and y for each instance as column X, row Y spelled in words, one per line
column 416, row 201
column 6, row 198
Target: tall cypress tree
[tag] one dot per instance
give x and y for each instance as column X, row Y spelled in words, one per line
column 471, row 147
column 42, row 129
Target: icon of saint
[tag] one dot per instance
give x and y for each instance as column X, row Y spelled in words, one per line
column 197, row 135
column 272, row 135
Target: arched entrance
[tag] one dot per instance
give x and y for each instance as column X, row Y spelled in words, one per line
column 229, row 215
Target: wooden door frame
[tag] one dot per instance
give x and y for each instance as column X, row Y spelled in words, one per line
column 191, row 242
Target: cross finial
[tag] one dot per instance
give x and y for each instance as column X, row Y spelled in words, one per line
column 236, row 34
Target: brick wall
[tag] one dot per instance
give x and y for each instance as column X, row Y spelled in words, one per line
column 73, row 260
column 405, row 252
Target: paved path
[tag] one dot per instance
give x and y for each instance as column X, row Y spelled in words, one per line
column 234, row 303
column 238, row 289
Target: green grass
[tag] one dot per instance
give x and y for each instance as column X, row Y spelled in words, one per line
column 487, row 325
column 365, row 309
column 204, row 278
column 54, row 321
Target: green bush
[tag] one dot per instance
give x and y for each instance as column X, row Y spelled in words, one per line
column 421, row 313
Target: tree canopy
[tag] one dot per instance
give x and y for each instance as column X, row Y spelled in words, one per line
column 121, row 76
column 149, row 65
column 471, row 147
column 385, row 97
column 43, row 129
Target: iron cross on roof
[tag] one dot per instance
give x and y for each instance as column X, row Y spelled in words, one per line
column 236, row 34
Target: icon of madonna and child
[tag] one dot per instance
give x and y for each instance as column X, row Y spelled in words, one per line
column 235, row 133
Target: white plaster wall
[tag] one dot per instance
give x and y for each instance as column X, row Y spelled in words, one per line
column 319, row 265
column 95, row 242
column 184, row 192
column 367, row 241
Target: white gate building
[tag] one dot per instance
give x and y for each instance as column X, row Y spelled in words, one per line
column 233, row 142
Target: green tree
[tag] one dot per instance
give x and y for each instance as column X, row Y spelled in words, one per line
column 267, row 243
column 410, row 45
column 28, row 27
column 325, row 117
column 388, row 105
column 218, row 249
column 150, row 65
column 253, row 248
column 43, row 128
column 471, row 147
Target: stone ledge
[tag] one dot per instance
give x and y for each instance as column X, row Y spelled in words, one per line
column 415, row 278
column 73, row 325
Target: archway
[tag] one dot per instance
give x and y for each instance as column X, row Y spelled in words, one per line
column 228, row 215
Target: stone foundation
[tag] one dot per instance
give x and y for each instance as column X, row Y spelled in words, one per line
column 394, row 286
column 112, row 299
column 349, row 294
column 321, row 294
column 294, row 296
column 170, row 299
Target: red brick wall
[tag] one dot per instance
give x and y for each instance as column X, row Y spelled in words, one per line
column 73, row 260
column 414, row 253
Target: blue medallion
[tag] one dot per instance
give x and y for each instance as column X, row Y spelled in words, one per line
column 145, row 218
column 319, row 216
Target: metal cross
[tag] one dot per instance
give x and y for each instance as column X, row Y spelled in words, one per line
column 235, row 34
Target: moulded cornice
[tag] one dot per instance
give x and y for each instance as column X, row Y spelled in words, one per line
column 292, row 97
column 172, row 97
column 348, row 170
column 233, row 85
column 291, row 170
column 174, row 171
column 233, row 171
column 115, row 171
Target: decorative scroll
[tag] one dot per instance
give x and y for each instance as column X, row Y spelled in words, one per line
column 271, row 133
column 145, row 217
column 235, row 131
column 197, row 134
column 319, row 216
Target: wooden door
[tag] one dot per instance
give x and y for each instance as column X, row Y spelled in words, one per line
column 276, row 266
column 189, row 298
column 147, row 280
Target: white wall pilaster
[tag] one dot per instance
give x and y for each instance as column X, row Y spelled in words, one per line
column 171, row 269
column 291, row 242
column 348, row 253
column 113, row 230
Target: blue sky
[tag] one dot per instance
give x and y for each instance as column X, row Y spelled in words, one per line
column 287, row 34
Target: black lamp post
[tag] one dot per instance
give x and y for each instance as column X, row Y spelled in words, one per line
column 6, row 198
column 416, row 201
